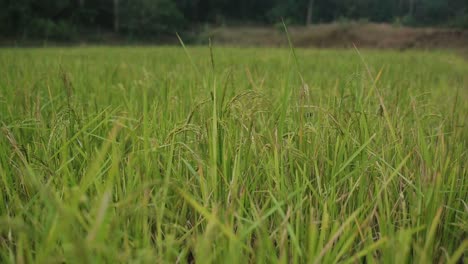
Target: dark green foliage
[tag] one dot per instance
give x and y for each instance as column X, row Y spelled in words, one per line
column 149, row 17
column 65, row 19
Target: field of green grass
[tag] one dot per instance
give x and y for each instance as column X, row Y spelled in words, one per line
column 167, row 155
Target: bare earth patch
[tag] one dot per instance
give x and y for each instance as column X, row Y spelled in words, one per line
column 338, row 35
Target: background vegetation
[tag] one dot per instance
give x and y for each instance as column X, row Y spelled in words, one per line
column 70, row 19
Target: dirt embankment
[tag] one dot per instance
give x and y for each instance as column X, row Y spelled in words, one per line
column 342, row 36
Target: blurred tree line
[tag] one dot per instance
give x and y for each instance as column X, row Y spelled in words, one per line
column 64, row 19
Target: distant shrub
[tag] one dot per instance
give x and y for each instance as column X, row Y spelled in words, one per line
column 280, row 26
column 343, row 20
column 363, row 20
column 460, row 21
column 146, row 18
column 48, row 29
column 408, row 21
column 397, row 22
column 344, row 23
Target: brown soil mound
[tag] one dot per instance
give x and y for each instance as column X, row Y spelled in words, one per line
column 344, row 35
